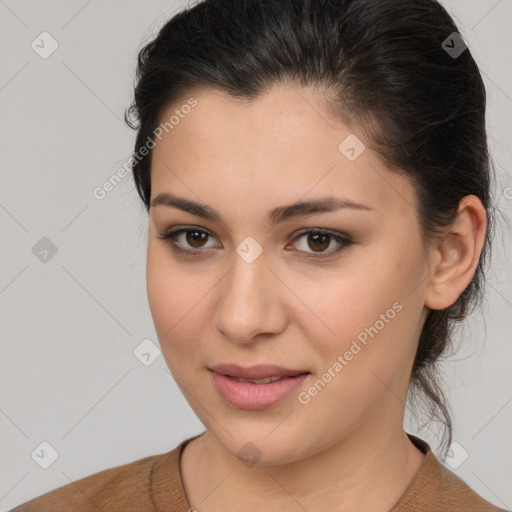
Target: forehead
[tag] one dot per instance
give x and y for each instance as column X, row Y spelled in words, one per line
column 280, row 147
column 278, row 118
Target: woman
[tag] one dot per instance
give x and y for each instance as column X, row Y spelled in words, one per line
column 317, row 180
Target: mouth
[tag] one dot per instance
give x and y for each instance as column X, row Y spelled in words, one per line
column 266, row 380
column 258, row 374
column 257, row 387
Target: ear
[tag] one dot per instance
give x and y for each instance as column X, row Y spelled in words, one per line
column 456, row 256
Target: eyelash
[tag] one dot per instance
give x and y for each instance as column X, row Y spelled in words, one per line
column 170, row 238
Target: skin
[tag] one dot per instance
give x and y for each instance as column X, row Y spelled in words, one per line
column 346, row 449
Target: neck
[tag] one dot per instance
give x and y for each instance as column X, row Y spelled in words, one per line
column 364, row 471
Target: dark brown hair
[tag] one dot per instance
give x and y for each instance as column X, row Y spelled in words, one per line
column 384, row 67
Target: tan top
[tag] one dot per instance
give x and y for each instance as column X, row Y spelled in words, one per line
column 154, row 484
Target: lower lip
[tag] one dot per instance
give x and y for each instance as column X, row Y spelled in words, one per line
column 244, row 395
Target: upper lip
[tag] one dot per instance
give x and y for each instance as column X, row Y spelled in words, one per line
column 260, row 371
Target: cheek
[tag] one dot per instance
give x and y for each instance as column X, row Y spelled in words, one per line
column 351, row 302
column 372, row 323
column 362, row 362
column 174, row 297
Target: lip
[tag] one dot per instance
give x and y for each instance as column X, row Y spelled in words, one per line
column 246, row 395
column 260, row 371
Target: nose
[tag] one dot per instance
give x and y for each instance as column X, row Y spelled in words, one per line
column 250, row 301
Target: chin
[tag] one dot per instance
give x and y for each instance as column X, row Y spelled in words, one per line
column 254, row 447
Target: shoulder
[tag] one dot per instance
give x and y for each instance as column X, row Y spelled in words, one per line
column 457, row 494
column 435, row 487
column 444, row 490
column 117, row 488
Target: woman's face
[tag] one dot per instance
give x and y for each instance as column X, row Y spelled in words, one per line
column 249, row 291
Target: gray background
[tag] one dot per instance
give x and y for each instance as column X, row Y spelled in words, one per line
column 69, row 326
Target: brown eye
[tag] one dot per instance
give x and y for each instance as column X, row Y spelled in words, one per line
column 318, row 240
column 194, row 243
column 195, row 238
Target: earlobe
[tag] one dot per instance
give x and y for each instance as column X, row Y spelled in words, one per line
column 457, row 254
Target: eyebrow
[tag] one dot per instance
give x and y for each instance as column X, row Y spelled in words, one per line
column 275, row 216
